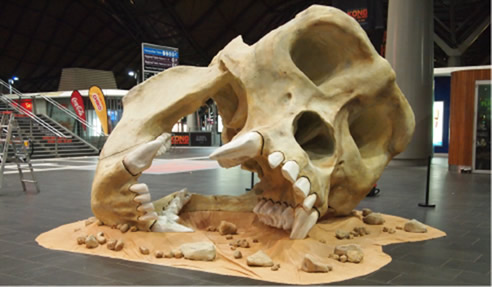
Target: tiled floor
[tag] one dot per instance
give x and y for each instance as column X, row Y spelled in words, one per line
column 461, row 258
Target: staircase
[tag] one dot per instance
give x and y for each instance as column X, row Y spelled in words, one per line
column 47, row 138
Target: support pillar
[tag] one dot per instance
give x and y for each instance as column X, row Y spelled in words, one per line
column 410, row 51
column 191, row 122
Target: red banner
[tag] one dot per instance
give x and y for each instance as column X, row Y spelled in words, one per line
column 78, row 105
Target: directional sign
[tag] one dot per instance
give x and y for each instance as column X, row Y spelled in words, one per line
column 156, row 59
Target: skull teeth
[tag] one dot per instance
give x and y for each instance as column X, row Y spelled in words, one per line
column 302, row 187
column 141, row 158
column 168, row 221
column 147, row 207
column 309, row 202
column 278, row 215
column 143, row 198
column 275, row 159
column 290, row 171
column 149, row 216
column 304, row 221
column 140, row 188
column 238, row 150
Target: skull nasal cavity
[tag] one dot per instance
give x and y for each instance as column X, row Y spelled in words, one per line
column 314, row 135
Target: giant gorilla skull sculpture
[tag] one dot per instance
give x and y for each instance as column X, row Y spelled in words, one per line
column 311, row 107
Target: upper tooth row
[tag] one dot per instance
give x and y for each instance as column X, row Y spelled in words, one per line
column 290, row 170
column 277, row 215
column 144, row 199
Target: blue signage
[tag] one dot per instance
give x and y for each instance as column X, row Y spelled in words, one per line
column 159, row 52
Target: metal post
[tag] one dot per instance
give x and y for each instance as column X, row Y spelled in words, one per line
column 426, row 204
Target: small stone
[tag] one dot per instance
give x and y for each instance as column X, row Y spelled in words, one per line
column 353, row 213
column 118, row 226
column 91, row 242
column 233, row 247
column 415, row 226
column 336, row 257
column 366, row 212
column 133, row 229
column 124, row 228
column 351, row 236
column 259, row 259
column 99, row 223
column 322, row 241
column 90, row 220
column 168, row 254
column 255, row 240
column 343, row 258
column 374, row 218
column 111, row 244
column 201, row 251
column 399, row 227
column 244, row 243
column 352, row 252
column 212, row 228
column 229, row 237
column 119, row 245
column 76, row 229
column 275, row 267
column 361, row 231
column 237, row 254
column 177, row 253
column 158, row 254
column 81, row 240
column 226, row 227
column 340, row 234
column 100, row 238
column 113, row 226
column 311, row 264
column 385, row 229
column 143, row 250
column 391, row 231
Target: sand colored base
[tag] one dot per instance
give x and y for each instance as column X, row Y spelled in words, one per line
column 276, row 243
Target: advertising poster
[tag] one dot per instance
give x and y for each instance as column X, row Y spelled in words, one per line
column 438, row 124
column 97, row 99
column 78, row 106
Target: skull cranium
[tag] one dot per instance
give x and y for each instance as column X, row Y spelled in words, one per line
column 311, row 107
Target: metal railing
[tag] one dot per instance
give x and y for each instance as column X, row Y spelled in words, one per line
column 20, row 109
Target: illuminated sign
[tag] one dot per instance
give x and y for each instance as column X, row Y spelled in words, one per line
column 438, row 123
column 156, row 59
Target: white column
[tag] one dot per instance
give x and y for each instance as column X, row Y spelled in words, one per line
column 410, row 51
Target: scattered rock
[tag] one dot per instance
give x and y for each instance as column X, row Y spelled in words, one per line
column 99, row 223
column 226, row 227
column 361, row 231
column 366, row 212
column 144, row 250
column 415, row 226
column 158, row 254
column 259, row 259
column 352, row 252
column 124, row 228
column 100, row 238
column 76, row 229
column 229, row 237
column 336, row 257
column 340, row 234
column 385, row 229
column 201, row 251
column 353, row 212
column 237, row 254
column 177, row 253
column 90, row 220
column 118, row 226
column 311, row 264
column 322, row 241
column 91, row 242
column 391, row 230
column 133, row 229
column 233, row 247
column 81, row 240
column 119, row 245
column 168, row 254
column 399, row 227
column 275, row 267
column 212, row 228
column 244, row 243
column 351, row 236
column 343, row 258
column 255, row 240
column 374, row 219
column 111, row 244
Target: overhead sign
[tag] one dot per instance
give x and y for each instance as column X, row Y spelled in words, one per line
column 156, row 59
column 97, row 99
column 78, row 105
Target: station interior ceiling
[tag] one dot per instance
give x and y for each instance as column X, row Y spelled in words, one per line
column 38, row 38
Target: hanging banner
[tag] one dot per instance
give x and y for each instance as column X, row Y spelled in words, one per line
column 78, row 106
column 97, row 99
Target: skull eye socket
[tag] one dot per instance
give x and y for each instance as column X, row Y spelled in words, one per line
column 314, row 135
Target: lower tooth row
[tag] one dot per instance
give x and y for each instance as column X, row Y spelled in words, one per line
column 277, row 215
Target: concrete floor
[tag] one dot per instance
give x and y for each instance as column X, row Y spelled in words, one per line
column 462, row 211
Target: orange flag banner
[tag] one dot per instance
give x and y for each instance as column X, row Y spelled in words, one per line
column 97, row 99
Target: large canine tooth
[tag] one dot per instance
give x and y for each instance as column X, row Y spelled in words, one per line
column 290, row 170
column 275, row 159
column 141, row 158
column 142, row 198
column 287, row 218
column 238, row 150
column 148, row 216
column 303, row 223
column 302, row 186
column 139, row 188
column 146, row 207
column 309, row 202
